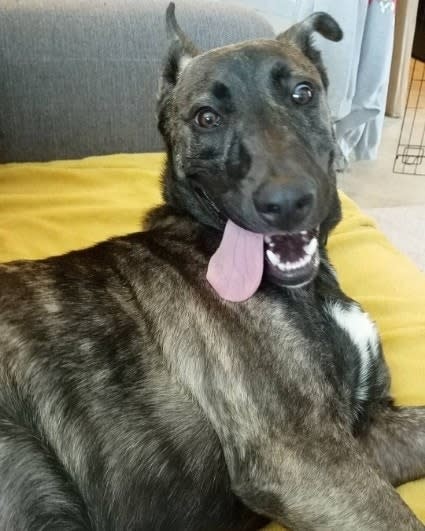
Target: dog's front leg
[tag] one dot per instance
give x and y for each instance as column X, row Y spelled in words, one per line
column 395, row 442
column 305, row 471
column 326, row 483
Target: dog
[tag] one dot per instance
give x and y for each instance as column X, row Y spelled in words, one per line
column 208, row 373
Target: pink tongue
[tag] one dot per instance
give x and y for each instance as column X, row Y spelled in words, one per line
column 236, row 268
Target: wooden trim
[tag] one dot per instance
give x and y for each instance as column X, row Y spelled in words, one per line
column 405, row 22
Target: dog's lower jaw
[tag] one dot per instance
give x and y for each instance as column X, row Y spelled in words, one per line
column 301, row 279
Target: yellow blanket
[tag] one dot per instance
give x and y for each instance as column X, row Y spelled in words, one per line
column 54, row 207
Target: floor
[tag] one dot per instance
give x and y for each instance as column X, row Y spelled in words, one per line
column 373, row 183
column 396, row 200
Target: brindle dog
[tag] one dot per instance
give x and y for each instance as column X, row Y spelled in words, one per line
column 134, row 397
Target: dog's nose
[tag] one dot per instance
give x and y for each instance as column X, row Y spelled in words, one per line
column 284, row 205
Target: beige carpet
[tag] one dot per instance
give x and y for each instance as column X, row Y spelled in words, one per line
column 405, row 228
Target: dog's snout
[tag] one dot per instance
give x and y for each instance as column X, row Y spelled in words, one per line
column 284, row 206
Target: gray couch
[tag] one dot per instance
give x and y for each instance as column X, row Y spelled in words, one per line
column 79, row 77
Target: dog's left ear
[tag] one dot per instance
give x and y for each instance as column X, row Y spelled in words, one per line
column 301, row 35
column 180, row 52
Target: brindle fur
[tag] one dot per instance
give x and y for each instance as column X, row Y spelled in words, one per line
column 132, row 397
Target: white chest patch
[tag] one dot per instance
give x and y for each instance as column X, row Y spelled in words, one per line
column 184, row 61
column 362, row 331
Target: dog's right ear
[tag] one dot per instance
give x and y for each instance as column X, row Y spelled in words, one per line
column 301, row 35
column 180, row 52
column 321, row 22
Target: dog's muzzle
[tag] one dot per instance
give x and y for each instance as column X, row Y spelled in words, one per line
column 292, row 257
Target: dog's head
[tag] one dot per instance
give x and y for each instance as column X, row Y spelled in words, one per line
column 250, row 139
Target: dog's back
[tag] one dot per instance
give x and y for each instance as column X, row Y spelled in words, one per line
column 99, row 426
column 95, row 432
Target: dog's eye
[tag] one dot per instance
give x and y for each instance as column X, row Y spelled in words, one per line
column 207, row 118
column 302, row 93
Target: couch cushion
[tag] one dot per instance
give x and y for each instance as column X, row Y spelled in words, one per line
column 58, row 206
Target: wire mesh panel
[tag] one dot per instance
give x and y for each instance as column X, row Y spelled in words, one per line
column 410, row 157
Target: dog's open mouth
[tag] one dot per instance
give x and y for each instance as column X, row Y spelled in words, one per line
column 236, row 268
column 292, row 258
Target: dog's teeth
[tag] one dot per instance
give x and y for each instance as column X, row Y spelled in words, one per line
column 288, row 266
column 304, row 232
column 274, row 258
column 310, row 249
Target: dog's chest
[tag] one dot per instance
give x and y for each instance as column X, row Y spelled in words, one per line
column 334, row 341
column 361, row 355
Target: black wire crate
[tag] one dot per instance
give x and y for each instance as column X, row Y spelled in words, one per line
column 410, row 157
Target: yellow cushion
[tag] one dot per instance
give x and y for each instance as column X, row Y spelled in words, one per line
column 54, row 207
